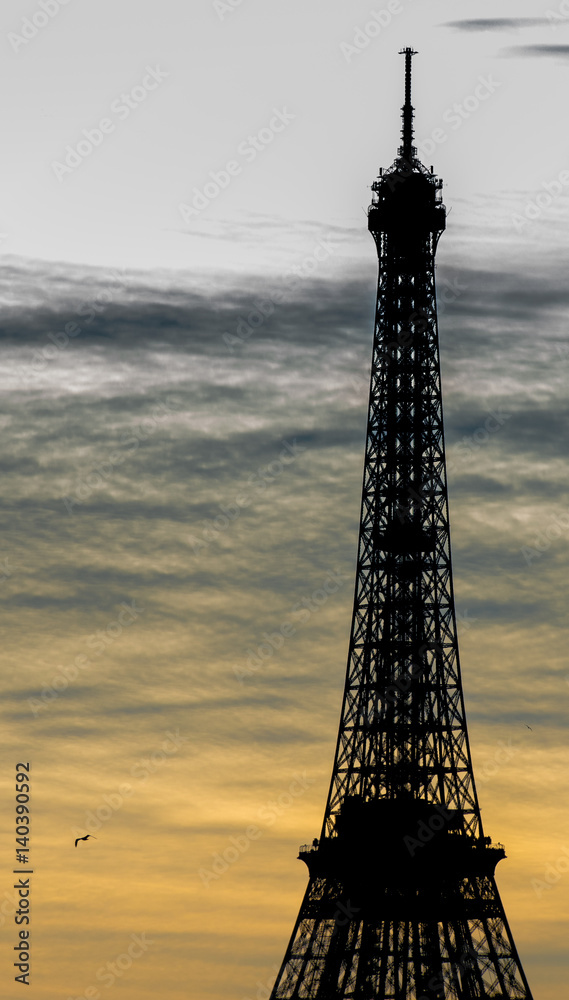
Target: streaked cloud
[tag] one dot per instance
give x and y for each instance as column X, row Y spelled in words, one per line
column 498, row 23
column 543, row 51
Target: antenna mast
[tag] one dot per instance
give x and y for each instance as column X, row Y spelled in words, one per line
column 407, row 150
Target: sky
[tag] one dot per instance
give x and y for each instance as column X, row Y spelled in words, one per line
column 187, row 296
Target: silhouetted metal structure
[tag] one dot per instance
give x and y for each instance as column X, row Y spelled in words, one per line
column 402, row 903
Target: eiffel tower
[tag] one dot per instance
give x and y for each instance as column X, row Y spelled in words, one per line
column 402, row 903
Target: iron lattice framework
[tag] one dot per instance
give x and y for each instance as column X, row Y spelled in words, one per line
column 402, row 903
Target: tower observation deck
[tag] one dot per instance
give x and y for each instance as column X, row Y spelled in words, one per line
column 401, row 902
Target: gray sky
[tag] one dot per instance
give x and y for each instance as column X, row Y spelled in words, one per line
column 216, row 77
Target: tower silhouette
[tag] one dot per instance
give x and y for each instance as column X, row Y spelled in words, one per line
column 401, row 902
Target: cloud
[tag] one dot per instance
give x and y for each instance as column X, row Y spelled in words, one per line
column 497, row 23
column 155, row 425
column 547, row 51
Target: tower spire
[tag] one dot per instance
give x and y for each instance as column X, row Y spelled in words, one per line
column 407, row 150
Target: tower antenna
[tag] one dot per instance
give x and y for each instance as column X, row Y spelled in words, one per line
column 407, row 150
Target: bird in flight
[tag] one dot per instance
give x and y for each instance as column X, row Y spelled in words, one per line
column 84, row 838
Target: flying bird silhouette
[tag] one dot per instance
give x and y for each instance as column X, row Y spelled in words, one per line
column 84, row 838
